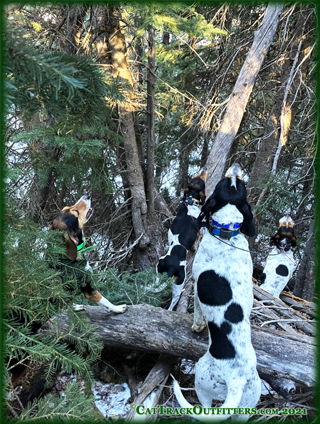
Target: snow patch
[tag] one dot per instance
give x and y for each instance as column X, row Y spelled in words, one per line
column 111, row 399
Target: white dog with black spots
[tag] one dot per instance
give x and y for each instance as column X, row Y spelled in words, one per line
column 223, row 301
column 280, row 263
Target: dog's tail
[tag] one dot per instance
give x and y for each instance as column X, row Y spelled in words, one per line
column 233, row 172
column 202, row 174
column 286, row 221
column 232, row 401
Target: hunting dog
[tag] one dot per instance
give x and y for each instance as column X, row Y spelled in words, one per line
column 223, row 300
column 71, row 220
column 280, row 263
column 182, row 235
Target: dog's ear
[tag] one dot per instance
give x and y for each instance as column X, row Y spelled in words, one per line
column 161, row 266
column 71, row 245
column 209, row 206
column 273, row 240
column 181, row 275
column 247, row 226
column 202, row 197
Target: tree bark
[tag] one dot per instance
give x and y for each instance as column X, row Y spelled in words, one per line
column 150, row 119
column 147, row 328
column 184, row 158
column 240, row 96
column 75, row 20
column 282, row 113
column 118, row 53
column 304, row 285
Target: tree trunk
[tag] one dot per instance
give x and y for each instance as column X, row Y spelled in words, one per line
column 205, row 148
column 183, row 175
column 147, row 328
column 150, row 119
column 282, row 113
column 75, row 20
column 240, row 96
column 118, row 52
column 304, row 284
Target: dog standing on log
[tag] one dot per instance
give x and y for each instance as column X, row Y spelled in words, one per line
column 280, row 263
column 182, row 235
column 71, row 220
column 223, row 300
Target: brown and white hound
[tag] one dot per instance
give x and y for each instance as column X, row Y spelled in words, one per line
column 71, row 220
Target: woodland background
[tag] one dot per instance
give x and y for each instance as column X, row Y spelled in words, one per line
column 124, row 101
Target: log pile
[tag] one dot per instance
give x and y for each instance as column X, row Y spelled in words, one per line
column 148, row 328
column 283, row 333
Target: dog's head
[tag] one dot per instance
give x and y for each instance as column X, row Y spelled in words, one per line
column 71, row 220
column 284, row 238
column 196, row 187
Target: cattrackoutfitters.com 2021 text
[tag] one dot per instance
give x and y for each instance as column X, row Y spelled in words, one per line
column 198, row 410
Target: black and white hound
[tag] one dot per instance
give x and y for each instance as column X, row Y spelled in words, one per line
column 223, row 300
column 280, row 263
column 71, row 220
column 182, row 235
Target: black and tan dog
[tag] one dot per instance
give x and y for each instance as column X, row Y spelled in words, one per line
column 183, row 234
column 71, row 220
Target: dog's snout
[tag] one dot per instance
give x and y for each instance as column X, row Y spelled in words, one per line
column 86, row 196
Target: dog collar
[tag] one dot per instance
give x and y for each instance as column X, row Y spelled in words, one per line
column 233, row 226
column 81, row 248
column 223, row 233
column 192, row 201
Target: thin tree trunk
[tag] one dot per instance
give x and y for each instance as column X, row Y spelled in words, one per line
column 240, row 95
column 150, row 119
column 205, row 148
column 184, row 158
column 282, row 113
column 117, row 48
column 75, row 20
column 304, row 284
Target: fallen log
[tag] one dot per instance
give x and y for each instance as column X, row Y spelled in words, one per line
column 286, row 388
column 157, row 376
column 151, row 386
column 301, row 305
column 147, row 328
column 289, row 314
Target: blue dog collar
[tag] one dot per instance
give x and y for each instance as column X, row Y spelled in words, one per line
column 224, row 233
column 226, row 226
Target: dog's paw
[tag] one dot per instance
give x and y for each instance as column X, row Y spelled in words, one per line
column 120, row 309
column 78, row 308
column 196, row 328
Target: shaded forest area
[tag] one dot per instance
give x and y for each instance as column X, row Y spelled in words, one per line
column 127, row 103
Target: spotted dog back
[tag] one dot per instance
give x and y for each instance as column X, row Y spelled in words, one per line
column 223, row 300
